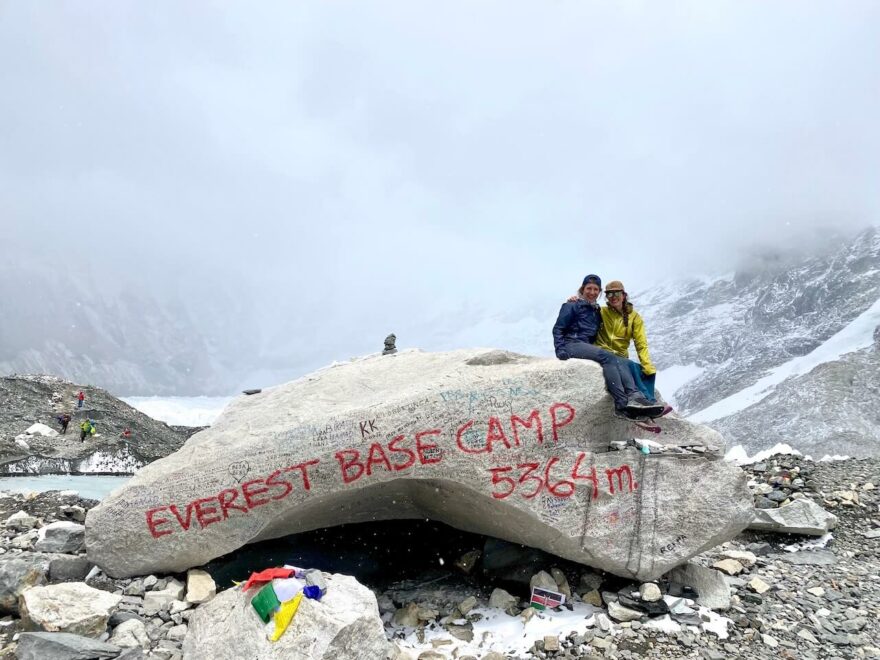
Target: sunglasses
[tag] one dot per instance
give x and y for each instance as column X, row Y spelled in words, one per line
column 613, row 294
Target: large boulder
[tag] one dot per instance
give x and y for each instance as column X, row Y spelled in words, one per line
column 491, row 442
column 72, row 607
column 345, row 623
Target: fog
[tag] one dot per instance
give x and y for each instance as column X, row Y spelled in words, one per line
column 354, row 168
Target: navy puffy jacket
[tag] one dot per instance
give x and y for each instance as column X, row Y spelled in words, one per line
column 577, row 321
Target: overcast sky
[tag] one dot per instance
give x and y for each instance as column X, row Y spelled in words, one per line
column 353, row 159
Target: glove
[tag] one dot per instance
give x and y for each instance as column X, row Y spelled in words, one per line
column 562, row 354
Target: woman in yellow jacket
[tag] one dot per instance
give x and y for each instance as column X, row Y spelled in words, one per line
column 622, row 324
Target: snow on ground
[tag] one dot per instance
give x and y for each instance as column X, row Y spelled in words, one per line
column 672, row 379
column 181, row 410
column 857, row 335
column 739, row 456
column 502, row 633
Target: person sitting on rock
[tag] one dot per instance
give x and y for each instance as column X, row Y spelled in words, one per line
column 574, row 336
column 622, row 324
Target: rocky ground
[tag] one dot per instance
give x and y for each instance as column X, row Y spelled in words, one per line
column 764, row 595
column 27, row 400
column 776, row 595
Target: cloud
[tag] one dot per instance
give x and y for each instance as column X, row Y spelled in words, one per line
column 390, row 161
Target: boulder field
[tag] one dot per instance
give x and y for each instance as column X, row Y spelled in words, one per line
column 492, row 442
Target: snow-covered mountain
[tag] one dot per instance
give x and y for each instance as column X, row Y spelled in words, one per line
column 782, row 351
column 122, row 337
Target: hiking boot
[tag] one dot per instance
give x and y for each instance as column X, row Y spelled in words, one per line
column 641, row 406
column 629, row 415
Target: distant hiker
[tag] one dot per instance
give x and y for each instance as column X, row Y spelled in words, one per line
column 64, row 420
column 87, row 428
column 79, row 399
column 622, row 324
column 126, row 434
column 574, row 336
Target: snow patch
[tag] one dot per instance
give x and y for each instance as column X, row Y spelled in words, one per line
column 738, row 455
column 41, row 429
column 811, row 544
column 104, row 462
column 855, row 336
column 673, row 378
column 506, row 634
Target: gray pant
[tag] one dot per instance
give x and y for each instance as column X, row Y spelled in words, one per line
column 618, row 378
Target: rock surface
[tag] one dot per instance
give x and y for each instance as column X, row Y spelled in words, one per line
column 802, row 516
column 72, row 607
column 61, row 536
column 28, row 399
column 62, row 646
column 345, row 623
column 20, row 572
column 487, row 441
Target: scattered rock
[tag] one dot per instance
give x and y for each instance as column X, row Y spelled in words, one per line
column 802, row 516
column 467, row 604
column 407, row 616
column 468, row 560
column 61, row 536
column 713, row 590
column 729, row 566
column 72, row 607
column 561, row 581
column 620, row 613
column 758, row 585
column 21, row 521
column 62, row 646
column 502, row 600
column 650, row 592
column 130, row 633
column 160, row 599
column 200, row 587
column 17, row 573
column 543, row 580
column 68, row 568
column 747, row 559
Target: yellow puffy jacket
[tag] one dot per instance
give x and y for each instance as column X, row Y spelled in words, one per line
column 614, row 337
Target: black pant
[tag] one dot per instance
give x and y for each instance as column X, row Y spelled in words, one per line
column 618, row 378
